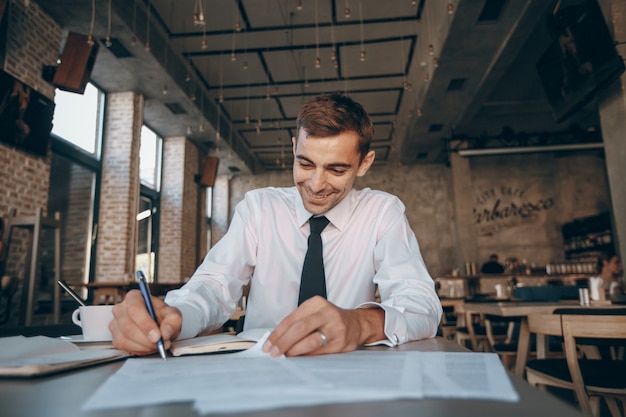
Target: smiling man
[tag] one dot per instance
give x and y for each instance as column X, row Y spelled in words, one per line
column 367, row 244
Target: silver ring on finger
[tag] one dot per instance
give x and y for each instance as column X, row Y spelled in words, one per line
column 323, row 337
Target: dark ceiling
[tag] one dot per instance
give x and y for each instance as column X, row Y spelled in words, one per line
column 246, row 72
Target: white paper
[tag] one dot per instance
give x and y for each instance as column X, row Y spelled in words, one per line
column 466, row 375
column 248, row 381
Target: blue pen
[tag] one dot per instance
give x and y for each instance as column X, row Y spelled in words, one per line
column 145, row 292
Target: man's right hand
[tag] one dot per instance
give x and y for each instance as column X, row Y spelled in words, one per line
column 133, row 329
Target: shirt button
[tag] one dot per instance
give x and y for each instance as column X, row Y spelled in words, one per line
column 396, row 339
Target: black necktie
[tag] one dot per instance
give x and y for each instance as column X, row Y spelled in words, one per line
column 313, row 280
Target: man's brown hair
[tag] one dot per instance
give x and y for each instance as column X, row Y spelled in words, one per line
column 332, row 114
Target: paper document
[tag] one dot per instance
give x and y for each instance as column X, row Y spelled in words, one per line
column 252, row 380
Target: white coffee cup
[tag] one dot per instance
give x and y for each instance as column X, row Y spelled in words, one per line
column 94, row 320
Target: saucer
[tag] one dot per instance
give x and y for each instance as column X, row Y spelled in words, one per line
column 79, row 338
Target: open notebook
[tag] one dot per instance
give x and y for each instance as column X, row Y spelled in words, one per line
column 221, row 342
column 40, row 355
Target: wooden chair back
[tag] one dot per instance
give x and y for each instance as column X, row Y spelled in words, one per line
column 589, row 326
column 574, row 328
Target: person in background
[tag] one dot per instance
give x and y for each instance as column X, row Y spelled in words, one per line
column 368, row 244
column 492, row 266
column 610, row 268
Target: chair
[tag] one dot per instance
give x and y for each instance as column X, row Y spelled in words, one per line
column 590, row 379
column 507, row 348
column 8, row 287
column 479, row 334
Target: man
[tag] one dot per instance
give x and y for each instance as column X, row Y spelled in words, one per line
column 492, row 266
column 367, row 244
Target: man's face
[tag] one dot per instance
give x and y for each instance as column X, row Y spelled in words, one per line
column 324, row 169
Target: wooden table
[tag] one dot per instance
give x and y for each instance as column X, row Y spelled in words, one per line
column 522, row 309
column 64, row 394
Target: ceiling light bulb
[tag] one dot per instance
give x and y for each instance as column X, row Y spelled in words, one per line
column 426, row 76
column 306, row 84
column 362, row 57
column 221, row 98
column 187, row 78
column 436, row 62
column 165, row 89
column 189, row 131
column 245, row 65
column 107, row 41
column 347, row 12
column 204, row 44
column 247, row 118
column 238, row 26
column 419, row 112
column 201, row 128
column 267, row 95
column 218, row 135
column 147, row 46
column 299, row 5
column 133, row 40
column 431, row 49
column 318, row 62
column 413, row 2
column 450, row 8
column 233, row 56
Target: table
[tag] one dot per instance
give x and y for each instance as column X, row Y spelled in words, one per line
column 62, row 395
column 522, row 309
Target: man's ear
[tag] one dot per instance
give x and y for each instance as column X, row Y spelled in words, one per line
column 366, row 163
column 293, row 145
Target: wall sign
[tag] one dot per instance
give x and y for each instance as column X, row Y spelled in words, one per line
column 506, row 207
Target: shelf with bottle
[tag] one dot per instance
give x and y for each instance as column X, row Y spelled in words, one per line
column 584, row 238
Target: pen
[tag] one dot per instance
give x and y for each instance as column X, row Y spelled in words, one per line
column 145, row 292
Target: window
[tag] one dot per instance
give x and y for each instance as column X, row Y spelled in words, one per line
column 150, row 159
column 150, row 155
column 78, row 119
column 74, row 177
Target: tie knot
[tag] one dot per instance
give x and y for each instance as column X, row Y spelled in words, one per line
column 318, row 224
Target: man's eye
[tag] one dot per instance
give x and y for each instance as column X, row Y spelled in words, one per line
column 338, row 171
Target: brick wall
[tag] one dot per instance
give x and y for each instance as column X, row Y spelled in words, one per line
column 24, row 178
column 119, row 193
column 181, row 200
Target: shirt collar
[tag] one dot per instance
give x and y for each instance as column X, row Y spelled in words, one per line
column 338, row 215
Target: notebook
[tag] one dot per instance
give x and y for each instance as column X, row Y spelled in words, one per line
column 221, row 342
column 40, row 355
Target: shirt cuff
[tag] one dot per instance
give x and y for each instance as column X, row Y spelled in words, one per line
column 394, row 324
column 190, row 324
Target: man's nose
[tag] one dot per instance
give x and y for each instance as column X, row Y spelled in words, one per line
column 317, row 180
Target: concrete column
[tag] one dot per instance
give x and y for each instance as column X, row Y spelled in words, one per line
column 612, row 107
column 467, row 245
column 221, row 209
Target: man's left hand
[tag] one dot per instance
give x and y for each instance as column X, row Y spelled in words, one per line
column 318, row 326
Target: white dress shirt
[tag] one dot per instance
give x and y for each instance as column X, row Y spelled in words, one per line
column 368, row 242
